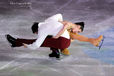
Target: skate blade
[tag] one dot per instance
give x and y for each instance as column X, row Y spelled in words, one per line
column 101, row 43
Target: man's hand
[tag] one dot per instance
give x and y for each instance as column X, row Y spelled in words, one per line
column 65, row 23
column 65, row 26
column 25, row 45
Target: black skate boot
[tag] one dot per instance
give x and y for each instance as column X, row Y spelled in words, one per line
column 55, row 53
column 11, row 40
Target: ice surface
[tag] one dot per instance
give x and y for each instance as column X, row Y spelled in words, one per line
column 16, row 18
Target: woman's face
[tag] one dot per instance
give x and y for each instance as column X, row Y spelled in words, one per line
column 76, row 29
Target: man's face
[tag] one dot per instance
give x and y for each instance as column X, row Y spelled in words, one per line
column 76, row 29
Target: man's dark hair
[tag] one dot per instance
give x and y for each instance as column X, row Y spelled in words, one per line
column 35, row 27
column 80, row 24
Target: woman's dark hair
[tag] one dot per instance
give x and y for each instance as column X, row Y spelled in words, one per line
column 80, row 24
column 35, row 27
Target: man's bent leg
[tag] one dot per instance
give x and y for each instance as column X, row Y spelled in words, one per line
column 55, row 53
column 60, row 43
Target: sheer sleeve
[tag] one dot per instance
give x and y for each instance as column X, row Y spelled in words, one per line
column 57, row 17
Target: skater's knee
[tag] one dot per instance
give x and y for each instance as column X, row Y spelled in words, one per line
column 63, row 45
